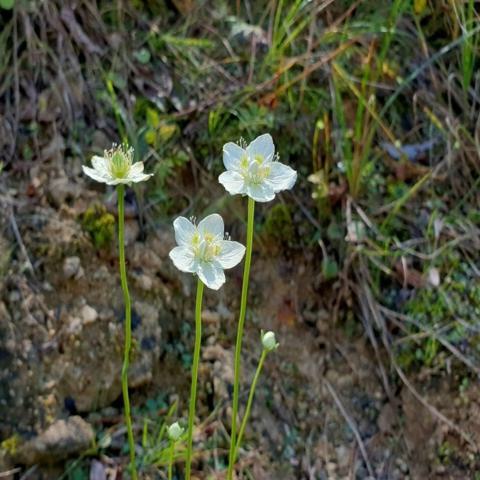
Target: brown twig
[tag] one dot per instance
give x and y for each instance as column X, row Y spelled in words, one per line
column 353, row 427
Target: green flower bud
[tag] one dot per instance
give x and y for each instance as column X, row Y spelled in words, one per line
column 175, row 431
column 269, row 342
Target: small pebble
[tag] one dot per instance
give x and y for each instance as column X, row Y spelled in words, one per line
column 88, row 314
column 71, row 267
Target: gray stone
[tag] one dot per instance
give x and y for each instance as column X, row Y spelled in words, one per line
column 71, row 267
column 61, row 440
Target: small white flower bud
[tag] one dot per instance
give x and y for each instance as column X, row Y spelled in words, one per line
column 269, row 342
column 175, row 431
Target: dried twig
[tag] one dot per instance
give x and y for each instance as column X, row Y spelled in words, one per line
column 370, row 306
column 18, row 238
column 9, row 473
column 434, row 334
column 433, row 411
column 352, row 425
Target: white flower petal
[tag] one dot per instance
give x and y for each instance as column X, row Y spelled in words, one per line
column 263, row 146
column 100, row 164
column 92, row 173
column 184, row 231
column 117, row 181
column 212, row 224
column 183, row 258
column 135, row 169
column 232, row 154
column 211, row 275
column 260, row 192
column 231, row 254
column 233, row 182
column 139, row 177
column 281, row 177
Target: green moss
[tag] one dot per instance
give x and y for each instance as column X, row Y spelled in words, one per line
column 446, row 453
column 438, row 309
column 278, row 226
column 10, row 444
column 99, row 224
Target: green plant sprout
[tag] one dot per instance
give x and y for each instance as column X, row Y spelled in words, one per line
column 255, row 171
column 175, row 432
column 202, row 250
column 117, row 168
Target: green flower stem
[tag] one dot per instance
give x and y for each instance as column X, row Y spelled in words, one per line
column 193, row 390
column 238, row 345
column 128, row 326
column 249, row 402
column 170, row 460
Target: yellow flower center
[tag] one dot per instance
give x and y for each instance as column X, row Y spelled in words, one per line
column 255, row 172
column 259, row 158
column 258, row 175
column 244, row 162
column 208, row 249
column 211, row 251
column 196, row 239
column 119, row 161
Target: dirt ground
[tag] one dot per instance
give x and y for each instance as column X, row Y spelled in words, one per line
column 322, row 410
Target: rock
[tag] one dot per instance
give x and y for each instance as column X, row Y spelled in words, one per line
column 144, row 282
column 71, row 267
column 387, row 419
column 97, row 471
column 60, row 190
column 222, row 372
column 71, row 335
column 89, row 370
column 343, row 455
column 88, row 314
column 61, row 440
column 433, row 277
column 143, row 256
column 147, row 335
column 132, row 230
column 100, row 141
column 74, row 326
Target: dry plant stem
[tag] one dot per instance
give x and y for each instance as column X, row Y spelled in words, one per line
column 249, row 402
column 352, row 425
column 238, row 345
column 171, row 454
column 193, row 390
column 128, row 326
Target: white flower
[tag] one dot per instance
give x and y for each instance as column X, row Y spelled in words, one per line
column 175, row 431
column 254, row 171
column 269, row 342
column 203, row 250
column 116, row 166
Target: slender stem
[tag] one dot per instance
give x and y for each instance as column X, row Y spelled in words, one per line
column 249, row 402
column 170, row 460
column 128, row 326
column 193, row 390
column 238, row 345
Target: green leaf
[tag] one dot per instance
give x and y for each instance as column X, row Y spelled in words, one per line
column 153, row 118
column 143, row 55
column 329, row 268
column 335, row 231
column 105, row 441
column 7, row 4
